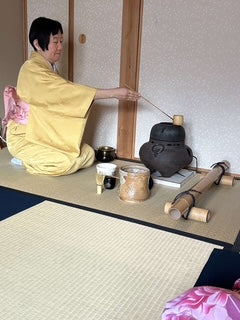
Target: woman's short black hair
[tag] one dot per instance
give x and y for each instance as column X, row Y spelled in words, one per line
column 41, row 29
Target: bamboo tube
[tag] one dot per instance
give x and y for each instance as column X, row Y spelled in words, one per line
column 184, row 203
column 196, row 214
column 225, row 180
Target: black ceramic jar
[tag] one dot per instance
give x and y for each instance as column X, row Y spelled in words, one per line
column 105, row 154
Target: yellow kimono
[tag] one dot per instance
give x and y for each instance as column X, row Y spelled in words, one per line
column 51, row 142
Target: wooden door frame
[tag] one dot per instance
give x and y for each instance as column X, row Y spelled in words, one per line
column 25, row 29
column 129, row 75
column 70, row 40
column 132, row 16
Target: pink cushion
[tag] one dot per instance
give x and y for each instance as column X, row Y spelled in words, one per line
column 205, row 303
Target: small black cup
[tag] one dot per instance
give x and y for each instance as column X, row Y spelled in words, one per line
column 109, row 182
column 105, row 154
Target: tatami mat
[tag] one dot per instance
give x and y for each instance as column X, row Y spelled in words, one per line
column 60, row 262
column 80, row 189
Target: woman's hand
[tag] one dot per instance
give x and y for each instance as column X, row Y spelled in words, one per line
column 118, row 93
column 126, row 94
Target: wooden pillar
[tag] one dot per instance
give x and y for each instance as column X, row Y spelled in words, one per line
column 70, row 40
column 129, row 75
column 25, row 29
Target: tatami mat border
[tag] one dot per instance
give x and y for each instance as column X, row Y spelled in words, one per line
column 229, row 246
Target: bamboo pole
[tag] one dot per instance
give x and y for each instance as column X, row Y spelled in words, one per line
column 225, row 180
column 183, row 205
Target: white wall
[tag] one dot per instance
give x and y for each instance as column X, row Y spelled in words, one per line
column 190, row 65
column 97, row 63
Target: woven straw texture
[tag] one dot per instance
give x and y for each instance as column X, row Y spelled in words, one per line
column 80, row 189
column 59, row 262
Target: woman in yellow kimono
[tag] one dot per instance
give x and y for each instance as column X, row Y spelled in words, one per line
column 50, row 142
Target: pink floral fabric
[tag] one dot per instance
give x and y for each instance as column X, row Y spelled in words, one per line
column 205, row 303
column 15, row 108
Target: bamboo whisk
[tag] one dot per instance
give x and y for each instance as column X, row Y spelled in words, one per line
column 99, row 181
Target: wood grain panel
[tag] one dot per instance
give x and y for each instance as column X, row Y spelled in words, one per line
column 129, row 75
column 70, row 40
column 25, row 28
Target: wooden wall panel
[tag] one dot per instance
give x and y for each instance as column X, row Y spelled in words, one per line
column 129, row 75
column 71, row 40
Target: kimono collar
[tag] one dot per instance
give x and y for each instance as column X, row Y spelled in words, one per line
column 37, row 56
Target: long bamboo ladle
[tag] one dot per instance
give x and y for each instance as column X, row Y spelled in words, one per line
column 177, row 119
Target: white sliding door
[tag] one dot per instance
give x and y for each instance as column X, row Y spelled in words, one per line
column 97, row 62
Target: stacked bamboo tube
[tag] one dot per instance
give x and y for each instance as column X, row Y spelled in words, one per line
column 185, row 203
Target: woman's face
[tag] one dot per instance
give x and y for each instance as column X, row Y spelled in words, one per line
column 55, row 48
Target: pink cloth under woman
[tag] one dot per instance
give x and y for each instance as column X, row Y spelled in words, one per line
column 205, row 303
column 15, row 108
